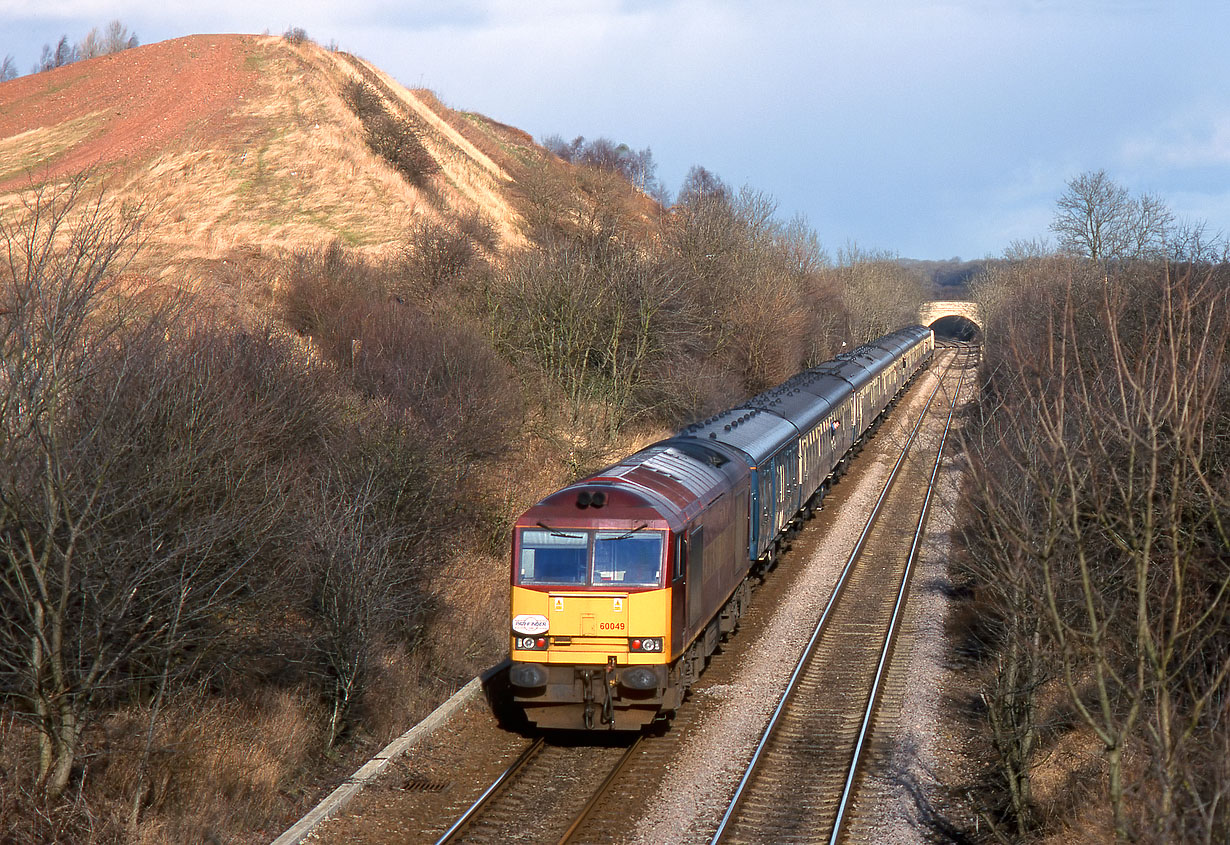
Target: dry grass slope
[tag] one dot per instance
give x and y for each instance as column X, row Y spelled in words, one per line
column 233, row 141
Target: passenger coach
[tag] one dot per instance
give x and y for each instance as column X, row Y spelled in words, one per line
column 624, row 582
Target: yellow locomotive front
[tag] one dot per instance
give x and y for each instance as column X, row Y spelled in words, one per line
column 591, row 612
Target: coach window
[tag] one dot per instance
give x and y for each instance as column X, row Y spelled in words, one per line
column 553, row 557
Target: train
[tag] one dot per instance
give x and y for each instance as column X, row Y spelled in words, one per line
column 623, row 583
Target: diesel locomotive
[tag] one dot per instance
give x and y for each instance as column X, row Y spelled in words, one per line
column 623, row 583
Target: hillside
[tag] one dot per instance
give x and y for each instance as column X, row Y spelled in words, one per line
column 291, row 491
column 234, row 141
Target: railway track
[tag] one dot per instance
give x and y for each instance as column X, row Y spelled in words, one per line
column 547, row 781
column 548, row 796
column 799, row 784
column 515, row 806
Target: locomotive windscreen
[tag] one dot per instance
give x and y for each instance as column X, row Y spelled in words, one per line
column 632, row 559
column 553, row 557
column 563, row 558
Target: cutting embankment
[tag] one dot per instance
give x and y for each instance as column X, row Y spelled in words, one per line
column 238, row 142
column 253, row 431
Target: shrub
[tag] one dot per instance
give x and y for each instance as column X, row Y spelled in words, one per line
column 390, row 136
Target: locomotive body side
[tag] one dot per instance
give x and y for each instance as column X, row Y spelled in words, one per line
column 769, row 445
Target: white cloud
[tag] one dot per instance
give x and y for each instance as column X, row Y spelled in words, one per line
column 1189, row 141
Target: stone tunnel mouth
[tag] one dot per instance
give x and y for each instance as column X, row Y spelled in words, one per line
column 956, row 327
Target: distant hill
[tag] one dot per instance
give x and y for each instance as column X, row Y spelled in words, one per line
column 947, row 279
column 240, row 142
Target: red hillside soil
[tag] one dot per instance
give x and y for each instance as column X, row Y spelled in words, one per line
column 144, row 100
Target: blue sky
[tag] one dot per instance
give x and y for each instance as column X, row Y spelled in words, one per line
column 931, row 130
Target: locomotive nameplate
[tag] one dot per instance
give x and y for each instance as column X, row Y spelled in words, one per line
column 530, row 623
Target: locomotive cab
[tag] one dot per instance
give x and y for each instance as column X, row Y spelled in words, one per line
column 590, row 610
column 599, row 598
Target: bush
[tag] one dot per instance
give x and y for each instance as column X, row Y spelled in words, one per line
column 390, row 136
column 430, row 365
column 1095, row 524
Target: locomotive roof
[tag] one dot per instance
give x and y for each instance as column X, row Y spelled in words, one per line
column 756, row 433
column 668, row 480
column 685, row 476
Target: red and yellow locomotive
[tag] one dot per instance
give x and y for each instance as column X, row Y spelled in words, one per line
column 623, row 583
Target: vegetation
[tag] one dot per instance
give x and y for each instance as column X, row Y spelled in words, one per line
column 391, row 136
column 1095, row 533
column 197, row 518
column 113, row 39
column 637, row 166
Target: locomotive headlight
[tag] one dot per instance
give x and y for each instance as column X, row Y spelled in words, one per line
column 529, row 643
column 646, row 645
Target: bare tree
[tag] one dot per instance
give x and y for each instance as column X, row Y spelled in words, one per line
column 880, row 295
column 1102, row 485
column 637, row 166
column 8, row 69
column 1098, row 218
column 1191, row 241
column 53, row 275
column 365, row 591
column 1092, row 217
column 65, row 52
column 593, row 315
column 117, row 38
column 1149, row 227
column 127, row 510
column 91, row 46
column 113, row 39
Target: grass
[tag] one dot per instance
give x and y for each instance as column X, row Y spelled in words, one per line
column 298, row 175
column 36, row 148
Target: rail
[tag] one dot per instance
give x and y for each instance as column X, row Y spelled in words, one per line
column 497, row 787
column 821, row 626
column 894, row 624
column 458, row 826
column 600, row 791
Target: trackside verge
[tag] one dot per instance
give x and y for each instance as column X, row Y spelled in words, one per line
column 372, row 769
